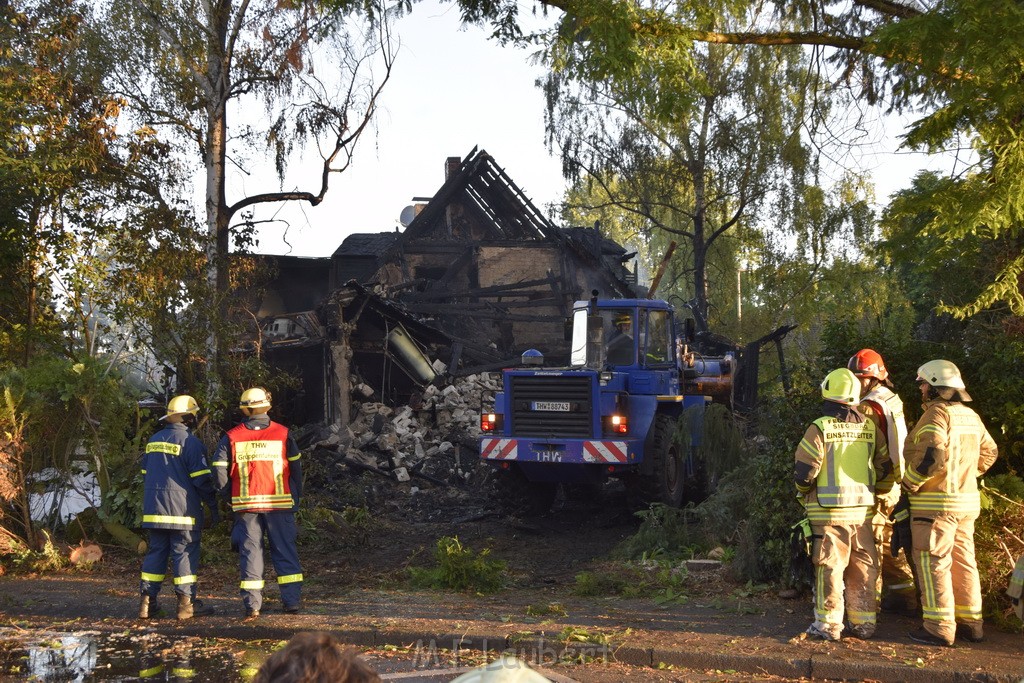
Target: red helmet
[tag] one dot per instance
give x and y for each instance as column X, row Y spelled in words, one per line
column 867, row 363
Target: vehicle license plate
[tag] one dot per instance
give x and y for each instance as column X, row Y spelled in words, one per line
column 553, row 406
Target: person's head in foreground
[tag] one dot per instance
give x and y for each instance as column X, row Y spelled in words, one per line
column 315, row 657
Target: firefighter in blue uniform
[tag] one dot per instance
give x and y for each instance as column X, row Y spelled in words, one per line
column 257, row 463
column 177, row 482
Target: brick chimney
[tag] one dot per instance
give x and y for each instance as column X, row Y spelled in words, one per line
column 451, row 165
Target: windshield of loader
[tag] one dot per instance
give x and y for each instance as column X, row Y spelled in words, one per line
column 620, row 344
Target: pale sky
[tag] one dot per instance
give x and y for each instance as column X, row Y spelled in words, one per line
column 452, row 88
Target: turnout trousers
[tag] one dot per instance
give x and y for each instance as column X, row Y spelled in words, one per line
column 247, row 536
column 182, row 548
column 948, row 571
column 897, row 586
column 845, row 574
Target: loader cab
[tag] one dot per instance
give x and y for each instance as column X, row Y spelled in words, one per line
column 622, row 333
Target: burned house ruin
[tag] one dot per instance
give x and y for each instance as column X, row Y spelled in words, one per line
column 479, row 261
column 477, row 276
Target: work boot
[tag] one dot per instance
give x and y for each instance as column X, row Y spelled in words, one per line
column 824, row 631
column 201, row 609
column 148, row 607
column 862, row 631
column 251, row 613
column 970, row 632
column 292, row 609
column 926, row 637
column 186, row 609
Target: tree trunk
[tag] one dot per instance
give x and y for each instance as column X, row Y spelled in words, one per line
column 218, row 218
column 123, row 536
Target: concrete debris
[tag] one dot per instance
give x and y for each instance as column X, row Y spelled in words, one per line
column 423, row 442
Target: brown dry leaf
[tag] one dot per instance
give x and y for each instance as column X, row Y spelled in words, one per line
column 86, row 553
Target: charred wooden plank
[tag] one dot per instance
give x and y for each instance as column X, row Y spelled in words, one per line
column 500, row 290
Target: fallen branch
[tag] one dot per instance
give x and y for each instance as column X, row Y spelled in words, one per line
column 993, row 492
column 1014, row 536
column 125, row 537
column 1006, row 550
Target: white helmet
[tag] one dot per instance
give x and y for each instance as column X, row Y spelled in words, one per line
column 505, row 669
column 943, row 374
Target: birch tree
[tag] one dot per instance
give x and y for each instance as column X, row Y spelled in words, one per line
column 237, row 82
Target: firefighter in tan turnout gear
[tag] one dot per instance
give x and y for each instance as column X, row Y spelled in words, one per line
column 880, row 404
column 838, row 462
column 946, row 452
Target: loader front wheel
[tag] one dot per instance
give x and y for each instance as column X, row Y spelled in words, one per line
column 666, row 481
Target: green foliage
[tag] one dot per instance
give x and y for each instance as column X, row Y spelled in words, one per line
column 665, row 532
column 595, row 584
column 999, row 541
column 549, row 609
column 25, row 560
column 654, row 576
column 460, row 568
column 76, row 412
column 721, row 446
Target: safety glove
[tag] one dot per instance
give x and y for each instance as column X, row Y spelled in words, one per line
column 901, row 534
column 211, row 518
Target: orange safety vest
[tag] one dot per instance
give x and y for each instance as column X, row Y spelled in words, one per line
column 259, row 469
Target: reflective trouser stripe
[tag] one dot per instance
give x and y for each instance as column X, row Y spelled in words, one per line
column 969, row 613
column 858, row 617
column 199, row 473
column 950, row 586
column 929, row 608
column 291, row 578
column 251, row 585
column 168, row 519
column 183, row 673
column 846, row 573
column 179, row 580
column 156, row 578
column 152, row 671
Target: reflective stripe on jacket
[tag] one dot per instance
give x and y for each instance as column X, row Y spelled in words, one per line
column 815, row 457
column 946, row 452
column 846, row 478
column 177, row 480
column 883, row 399
column 259, row 469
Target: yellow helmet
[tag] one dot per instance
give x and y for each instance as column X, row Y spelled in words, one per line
column 181, row 405
column 841, row 386
column 255, row 398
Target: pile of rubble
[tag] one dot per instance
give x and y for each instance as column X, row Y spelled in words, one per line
column 433, row 439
